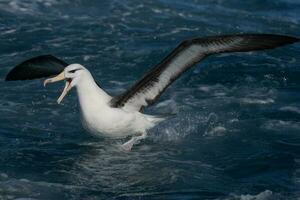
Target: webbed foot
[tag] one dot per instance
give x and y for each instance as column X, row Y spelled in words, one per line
column 127, row 146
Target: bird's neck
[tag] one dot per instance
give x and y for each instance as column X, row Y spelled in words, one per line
column 92, row 100
column 89, row 93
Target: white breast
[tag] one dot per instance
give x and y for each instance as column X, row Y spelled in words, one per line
column 101, row 119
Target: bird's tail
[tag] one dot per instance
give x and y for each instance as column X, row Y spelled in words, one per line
column 156, row 119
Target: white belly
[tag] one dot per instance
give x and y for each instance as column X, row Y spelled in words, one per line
column 115, row 122
column 101, row 119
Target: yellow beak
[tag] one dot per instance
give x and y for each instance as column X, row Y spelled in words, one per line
column 67, row 87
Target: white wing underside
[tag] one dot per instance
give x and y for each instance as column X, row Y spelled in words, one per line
column 173, row 70
column 189, row 52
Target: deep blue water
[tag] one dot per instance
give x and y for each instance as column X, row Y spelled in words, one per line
column 236, row 132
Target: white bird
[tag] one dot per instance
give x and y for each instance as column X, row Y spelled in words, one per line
column 123, row 115
column 98, row 115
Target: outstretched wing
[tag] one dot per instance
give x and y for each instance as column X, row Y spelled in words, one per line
column 37, row 67
column 189, row 52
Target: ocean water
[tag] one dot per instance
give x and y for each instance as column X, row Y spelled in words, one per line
column 236, row 130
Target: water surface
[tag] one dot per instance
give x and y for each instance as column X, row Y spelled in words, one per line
column 236, row 132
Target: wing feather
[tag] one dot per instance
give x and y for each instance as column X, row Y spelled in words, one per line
column 184, row 56
column 37, row 67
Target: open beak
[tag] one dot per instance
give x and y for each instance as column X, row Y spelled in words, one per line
column 67, row 87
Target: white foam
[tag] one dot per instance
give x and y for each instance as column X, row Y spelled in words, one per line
column 216, row 131
column 279, row 125
column 118, row 83
column 256, row 101
column 265, row 195
column 290, row 109
column 204, row 88
column 3, row 176
column 24, row 189
column 215, row 90
column 178, row 30
column 27, row 7
column 9, row 31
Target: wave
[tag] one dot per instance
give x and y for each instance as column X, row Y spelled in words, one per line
column 293, row 109
column 265, row 195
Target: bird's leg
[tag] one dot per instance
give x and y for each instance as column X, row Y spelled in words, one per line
column 134, row 140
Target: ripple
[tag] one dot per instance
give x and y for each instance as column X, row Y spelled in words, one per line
column 232, row 131
column 265, row 195
column 279, row 125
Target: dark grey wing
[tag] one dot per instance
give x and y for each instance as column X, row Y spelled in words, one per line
column 189, row 52
column 37, row 67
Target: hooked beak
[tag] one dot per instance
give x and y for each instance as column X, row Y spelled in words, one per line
column 67, row 87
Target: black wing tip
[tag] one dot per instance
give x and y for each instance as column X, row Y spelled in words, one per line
column 247, row 42
column 291, row 39
column 11, row 76
column 17, row 72
column 270, row 41
column 284, row 38
column 274, row 40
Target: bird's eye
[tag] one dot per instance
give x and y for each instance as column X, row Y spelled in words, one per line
column 74, row 70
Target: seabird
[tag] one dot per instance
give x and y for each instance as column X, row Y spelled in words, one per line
column 123, row 115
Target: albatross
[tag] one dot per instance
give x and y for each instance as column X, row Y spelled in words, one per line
column 123, row 115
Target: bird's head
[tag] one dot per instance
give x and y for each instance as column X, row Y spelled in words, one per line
column 72, row 75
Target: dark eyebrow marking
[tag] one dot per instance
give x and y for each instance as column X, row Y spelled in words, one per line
column 74, row 70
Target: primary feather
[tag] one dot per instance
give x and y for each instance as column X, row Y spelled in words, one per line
column 37, row 67
column 184, row 56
